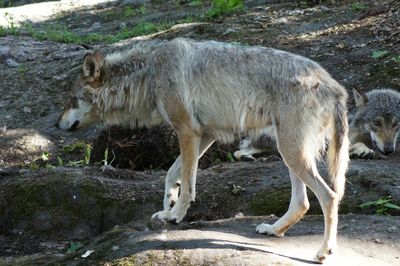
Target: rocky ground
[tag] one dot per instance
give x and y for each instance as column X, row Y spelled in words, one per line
column 46, row 211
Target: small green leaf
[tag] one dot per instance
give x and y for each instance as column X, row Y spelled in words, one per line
column 74, row 246
column 379, row 54
column 230, row 157
column 368, row 204
column 60, row 161
column 45, row 156
column 396, row 59
column 392, row 206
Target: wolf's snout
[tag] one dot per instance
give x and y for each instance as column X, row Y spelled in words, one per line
column 74, row 126
column 388, row 149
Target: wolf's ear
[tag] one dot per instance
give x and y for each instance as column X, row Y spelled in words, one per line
column 360, row 99
column 91, row 65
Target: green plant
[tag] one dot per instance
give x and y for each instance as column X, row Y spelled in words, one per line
column 396, row 59
column 74, row 147
column 105, row 162
column 142, row 28
column 379, row 53
column 11, row 28
column 3, row 31
column 224, row 7
column 60, row 161
column 358, row 6
column 74, row 246
column 129, row 11
column 230, row 157
column 21, row 69
column 381, row 205
column 77, row 147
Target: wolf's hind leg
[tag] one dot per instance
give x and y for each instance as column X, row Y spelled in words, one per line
column 297, row 208
column 299, row 141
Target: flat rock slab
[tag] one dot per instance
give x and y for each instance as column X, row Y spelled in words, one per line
column 363, row 240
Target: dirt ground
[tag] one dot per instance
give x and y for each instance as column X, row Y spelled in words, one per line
column 36, row 77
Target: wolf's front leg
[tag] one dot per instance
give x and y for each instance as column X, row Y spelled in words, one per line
column 172, row 184
column 360, row 150
column 189, row 145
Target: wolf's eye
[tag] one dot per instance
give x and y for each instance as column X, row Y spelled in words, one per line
column 377, row 123
column 395, row 123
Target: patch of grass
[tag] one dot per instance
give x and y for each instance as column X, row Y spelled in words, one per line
column 358, row 6
column 61, row 33
column 87, row 153
column 129, row 11
column 224, row 7
column 21, row 69
column 78, row 146
column 12, row 29
column 3, row 31
column 195, row 3
column 143, row 28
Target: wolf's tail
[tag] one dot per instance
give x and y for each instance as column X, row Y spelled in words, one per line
column 338, row 150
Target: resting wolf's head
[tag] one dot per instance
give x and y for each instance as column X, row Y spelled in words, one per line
column 79, row 110
column 378, row 112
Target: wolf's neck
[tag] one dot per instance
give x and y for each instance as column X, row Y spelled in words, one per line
column 127, row 100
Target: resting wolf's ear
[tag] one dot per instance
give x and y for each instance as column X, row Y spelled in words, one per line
column 360, row 99
column 91, row 65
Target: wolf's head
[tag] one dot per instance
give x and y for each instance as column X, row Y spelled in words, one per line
column 79, row 110
column 378, row 112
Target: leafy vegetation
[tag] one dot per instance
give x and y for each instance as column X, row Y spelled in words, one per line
column 224, row 7
column 74, row 246
column 358, row 6
column 379, row 53
column 382, row 205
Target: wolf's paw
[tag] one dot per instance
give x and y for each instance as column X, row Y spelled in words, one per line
column 360, row 150
column 174, row 216
column 244, row 157
column 268, row 230
column 165, row 215
column 324, row 253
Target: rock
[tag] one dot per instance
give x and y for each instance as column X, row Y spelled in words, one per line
column 234, row 242
column 280, row 21
column 27, row 110
column 229, row 31
column 392, row 229
column 12, row 63
column 95, row 26
column 4, row 52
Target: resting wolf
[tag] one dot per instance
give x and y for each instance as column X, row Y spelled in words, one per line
column 375, row 124
column 210, row 90
column 374, row 127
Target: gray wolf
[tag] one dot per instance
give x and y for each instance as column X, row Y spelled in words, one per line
column 375, row 124
column 211, row 90
column 374, row 127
